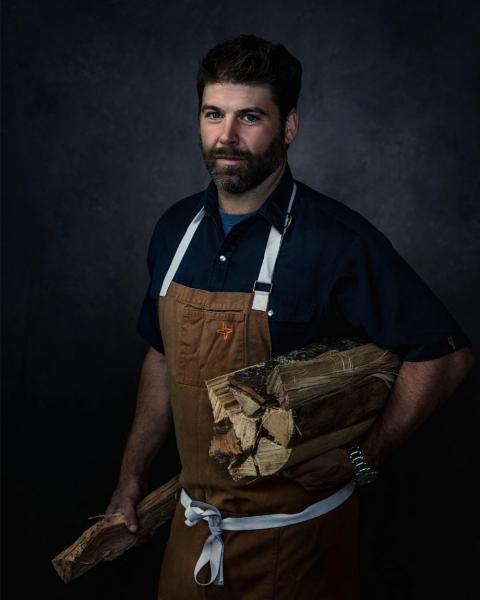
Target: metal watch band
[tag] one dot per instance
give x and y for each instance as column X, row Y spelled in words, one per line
column 364, row 473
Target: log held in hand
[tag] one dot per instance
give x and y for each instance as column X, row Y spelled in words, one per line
column 110, row 538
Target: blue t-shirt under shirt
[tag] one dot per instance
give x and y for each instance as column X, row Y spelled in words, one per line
column 229, row 220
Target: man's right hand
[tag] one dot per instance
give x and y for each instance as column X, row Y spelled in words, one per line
column 151, row 426
column 125, row 498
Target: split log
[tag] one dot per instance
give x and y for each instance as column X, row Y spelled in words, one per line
column 329, row 441
column 109, row 538
column 279, row 423
column 336, row 410
column 224, row 446
column 243, row 467
column 245, row 428
column 220, row 395
column 228, row 413
column 295, row 383
column 249, row 405
column 253, row 380
column 271, row 458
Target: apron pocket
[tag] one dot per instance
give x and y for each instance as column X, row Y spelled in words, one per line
column 211, row 343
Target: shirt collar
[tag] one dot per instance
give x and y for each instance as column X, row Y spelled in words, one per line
column 273, row 209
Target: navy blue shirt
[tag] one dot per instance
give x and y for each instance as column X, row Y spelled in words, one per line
column 336, row 274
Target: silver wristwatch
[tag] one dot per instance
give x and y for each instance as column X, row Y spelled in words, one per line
column 364, row 473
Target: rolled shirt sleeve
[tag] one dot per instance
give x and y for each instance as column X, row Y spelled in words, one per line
column 382, row 297
column 148, row 325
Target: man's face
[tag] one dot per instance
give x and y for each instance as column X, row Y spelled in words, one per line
column 241, row 136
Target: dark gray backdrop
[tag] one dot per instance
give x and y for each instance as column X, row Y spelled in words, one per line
column 99, row 116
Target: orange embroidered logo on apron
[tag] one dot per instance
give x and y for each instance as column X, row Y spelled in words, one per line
column 225, row 331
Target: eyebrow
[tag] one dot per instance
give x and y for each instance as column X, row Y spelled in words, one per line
column 248, row 109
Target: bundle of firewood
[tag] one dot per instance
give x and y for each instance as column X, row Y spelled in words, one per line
column 266, row 417
column 296, row 406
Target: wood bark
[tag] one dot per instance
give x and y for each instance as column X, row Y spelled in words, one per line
column 322, row 414
column 295, row 383
column 253, row 379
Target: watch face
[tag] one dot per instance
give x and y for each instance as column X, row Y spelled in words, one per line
column 367, row 477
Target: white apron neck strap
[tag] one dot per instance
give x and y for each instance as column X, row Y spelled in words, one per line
column 274, row 242
column 180, row 253
column 261, row 296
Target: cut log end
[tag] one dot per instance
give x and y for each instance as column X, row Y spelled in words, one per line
column 249, row 405
column 225, row 445
column 271, row 457
column 280, row 424
column 242, row 467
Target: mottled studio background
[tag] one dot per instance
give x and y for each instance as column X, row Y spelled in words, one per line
column 99, row 137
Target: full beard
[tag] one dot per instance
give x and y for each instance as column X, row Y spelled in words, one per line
column 249, row 173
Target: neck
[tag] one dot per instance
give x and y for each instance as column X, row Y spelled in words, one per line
column 240, row 204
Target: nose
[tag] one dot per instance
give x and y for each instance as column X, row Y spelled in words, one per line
column 228, row 134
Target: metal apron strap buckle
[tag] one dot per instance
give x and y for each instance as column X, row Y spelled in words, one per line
column 212, row 551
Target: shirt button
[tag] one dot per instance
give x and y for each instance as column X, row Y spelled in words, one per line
column 270, row 312
column 222, row 258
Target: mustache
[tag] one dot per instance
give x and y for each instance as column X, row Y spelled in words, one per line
column 230, row 153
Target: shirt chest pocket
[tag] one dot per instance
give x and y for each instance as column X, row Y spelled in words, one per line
column 291, row 310
column 292, row 323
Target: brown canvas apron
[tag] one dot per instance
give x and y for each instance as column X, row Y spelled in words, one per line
column 207, row 334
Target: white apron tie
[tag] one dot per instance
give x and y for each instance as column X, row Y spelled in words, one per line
column 212, row 551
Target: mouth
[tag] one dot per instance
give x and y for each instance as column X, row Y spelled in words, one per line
column 229, row 160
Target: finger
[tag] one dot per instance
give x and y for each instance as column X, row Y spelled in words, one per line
column 131, row 520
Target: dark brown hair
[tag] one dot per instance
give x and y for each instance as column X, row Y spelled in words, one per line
column 253, row 60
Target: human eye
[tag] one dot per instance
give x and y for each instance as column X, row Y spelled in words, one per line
column 212, row 115
column 250, row 118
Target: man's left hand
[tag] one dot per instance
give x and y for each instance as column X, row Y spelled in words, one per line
column 332, row 469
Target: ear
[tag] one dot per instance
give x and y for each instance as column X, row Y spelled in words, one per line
column 292, row 125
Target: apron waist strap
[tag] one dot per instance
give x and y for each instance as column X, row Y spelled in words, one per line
column 212, row 551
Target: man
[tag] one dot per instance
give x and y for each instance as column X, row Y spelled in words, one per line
column 221, row 297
